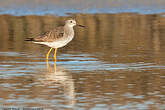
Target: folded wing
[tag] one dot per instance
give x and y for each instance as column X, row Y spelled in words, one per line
column 49, row 36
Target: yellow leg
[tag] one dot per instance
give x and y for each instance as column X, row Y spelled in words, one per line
column 47, row 55
column 55, row 54
column 55, row 59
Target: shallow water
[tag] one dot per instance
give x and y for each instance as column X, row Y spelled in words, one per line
column 116, row 63
column 62, row 7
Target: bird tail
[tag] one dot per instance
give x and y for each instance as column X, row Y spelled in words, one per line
column 29, row 39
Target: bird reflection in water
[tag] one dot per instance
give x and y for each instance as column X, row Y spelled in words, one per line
column 58, row 77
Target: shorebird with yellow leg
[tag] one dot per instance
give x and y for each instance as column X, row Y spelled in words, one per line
column 56, row 38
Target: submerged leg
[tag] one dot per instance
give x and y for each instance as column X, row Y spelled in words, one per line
column 47, row 55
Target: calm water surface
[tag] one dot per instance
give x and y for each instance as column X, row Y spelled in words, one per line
column 116, row 63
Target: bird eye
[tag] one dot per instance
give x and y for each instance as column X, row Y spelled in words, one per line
column 70, row 21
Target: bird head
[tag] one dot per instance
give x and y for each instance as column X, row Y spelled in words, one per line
column 70, row 22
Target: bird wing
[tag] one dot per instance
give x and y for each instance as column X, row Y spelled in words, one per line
column 51, row 35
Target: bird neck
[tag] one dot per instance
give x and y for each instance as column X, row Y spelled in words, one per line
column 68, row 30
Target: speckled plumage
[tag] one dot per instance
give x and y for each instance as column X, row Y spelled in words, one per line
column 51, row 35
column 57, row 37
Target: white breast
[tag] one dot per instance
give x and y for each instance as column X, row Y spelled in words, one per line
column 58, row 43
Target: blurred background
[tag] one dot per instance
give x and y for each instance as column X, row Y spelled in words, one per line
column 116, row 63
column 61, row 7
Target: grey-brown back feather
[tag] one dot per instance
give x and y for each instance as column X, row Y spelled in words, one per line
column 51, row 35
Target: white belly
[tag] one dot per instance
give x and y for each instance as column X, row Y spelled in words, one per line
column 56, row 44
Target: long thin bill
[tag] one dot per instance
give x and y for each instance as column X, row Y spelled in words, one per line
column 81, row 25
